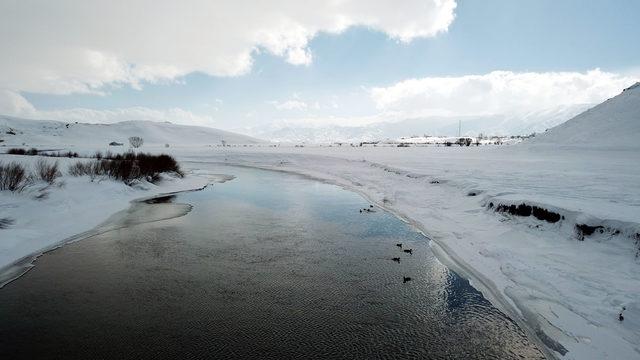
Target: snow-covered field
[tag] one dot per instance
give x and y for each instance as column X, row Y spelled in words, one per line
column 566, row 285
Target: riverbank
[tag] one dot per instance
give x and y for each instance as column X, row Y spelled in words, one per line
column 543, row 269
column 44, row 216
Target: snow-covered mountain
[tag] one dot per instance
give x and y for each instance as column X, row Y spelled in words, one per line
column 614, row 123
column 502, row 124
column 16, row 131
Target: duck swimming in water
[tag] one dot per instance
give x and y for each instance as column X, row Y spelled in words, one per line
column 408, row 251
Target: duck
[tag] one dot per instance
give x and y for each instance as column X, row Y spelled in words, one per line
column 405, row 279
column 396, row 259
column 408, row 251
column 399, row 245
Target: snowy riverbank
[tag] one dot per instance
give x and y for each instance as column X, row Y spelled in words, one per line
column 44, row 216
column 568, row 290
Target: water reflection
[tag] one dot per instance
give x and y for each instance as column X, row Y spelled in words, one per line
column 267, row 265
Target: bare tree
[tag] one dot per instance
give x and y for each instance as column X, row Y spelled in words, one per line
column 136, row 141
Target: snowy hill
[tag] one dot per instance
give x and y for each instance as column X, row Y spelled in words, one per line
column 16, row 131
column 615, row 123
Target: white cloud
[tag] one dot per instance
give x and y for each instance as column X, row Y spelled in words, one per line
column 290, row 105
column 498, row 92
column 14, row 104
column 70, row 46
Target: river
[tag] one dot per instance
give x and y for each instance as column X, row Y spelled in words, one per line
column 267, row 265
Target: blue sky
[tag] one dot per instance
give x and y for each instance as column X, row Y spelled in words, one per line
column 517, row 36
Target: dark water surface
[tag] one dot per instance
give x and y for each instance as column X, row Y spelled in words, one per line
column 268, row 265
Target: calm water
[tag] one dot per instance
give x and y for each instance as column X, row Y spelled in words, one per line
column 267, row 265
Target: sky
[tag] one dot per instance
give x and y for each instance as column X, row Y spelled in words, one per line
column 257, row 67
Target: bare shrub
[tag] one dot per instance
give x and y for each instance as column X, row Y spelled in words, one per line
column 19, row 151
column 13, row 177
column 128, row 166
column 16, row 151
column 93, row 169
column 77, row 169
column 69, row 154
column 6, row 222
column 47, row 172
column 136, row 141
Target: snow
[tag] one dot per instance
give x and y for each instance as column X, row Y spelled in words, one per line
column 515, row 123
column 614, row 123
column 44, row 216
column 538, row 272
column 564, row 290
column 56, row 133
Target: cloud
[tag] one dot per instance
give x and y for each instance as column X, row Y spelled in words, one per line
column 290, row 105
column 500, row 102
column 70, row 46
column 498, row 92
column 14, row 104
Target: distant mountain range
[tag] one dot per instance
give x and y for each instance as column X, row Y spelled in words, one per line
column 615, row 122
column 511, row 124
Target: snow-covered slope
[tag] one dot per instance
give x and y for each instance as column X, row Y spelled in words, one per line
column 615, row 123
column 16, row 131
